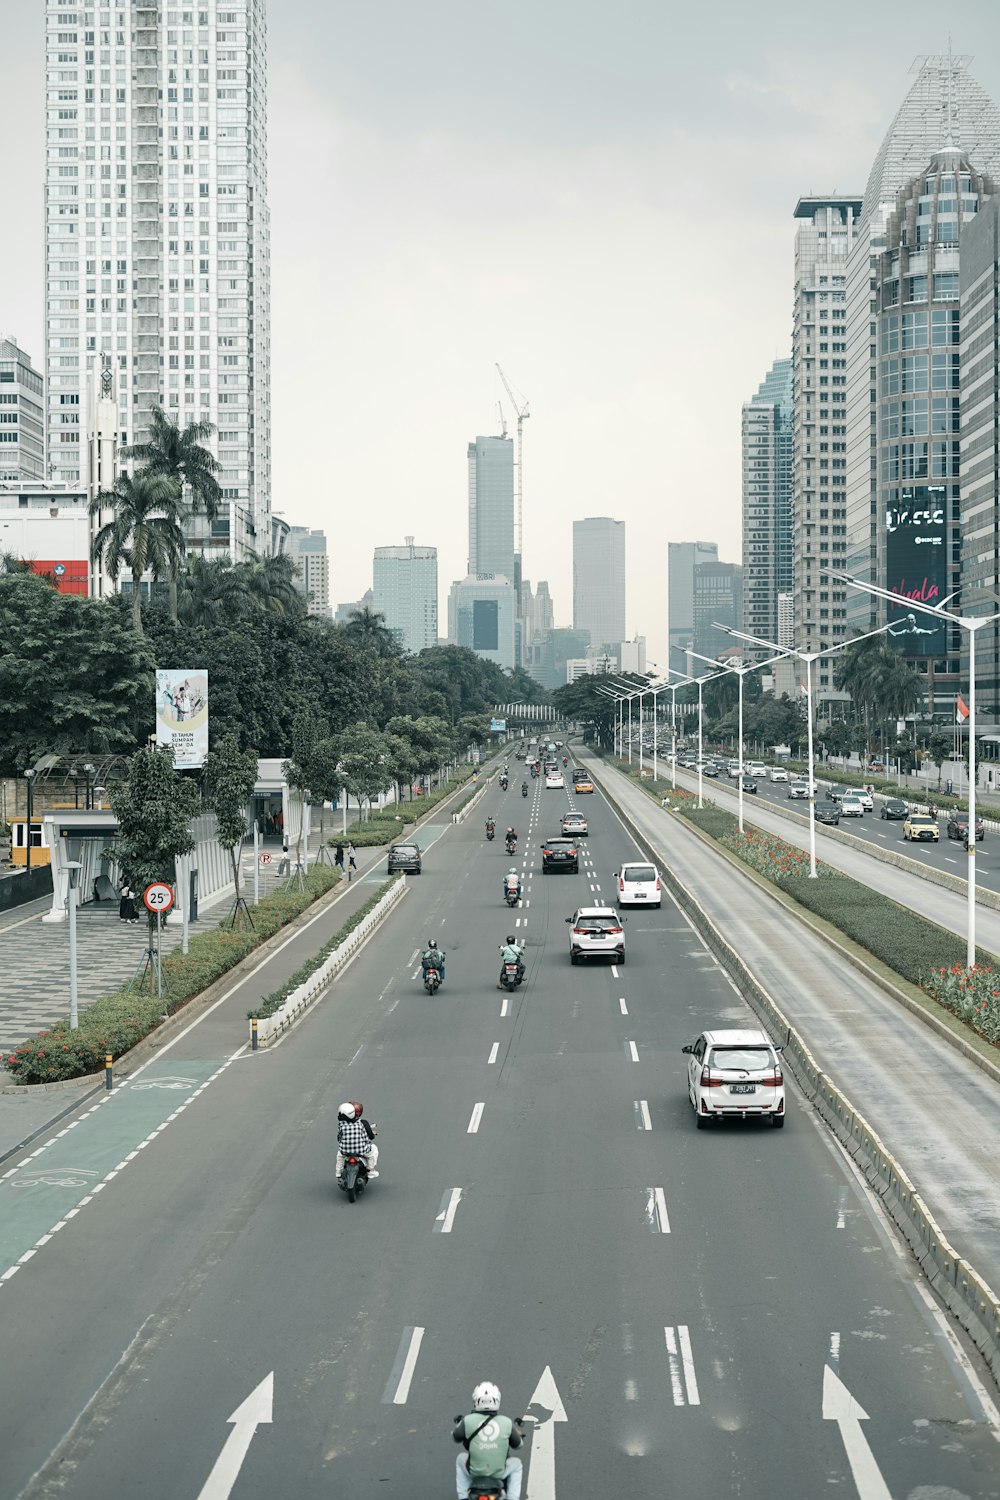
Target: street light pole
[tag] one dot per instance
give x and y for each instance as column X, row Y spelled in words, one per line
column 73, row 868
column 29, row 777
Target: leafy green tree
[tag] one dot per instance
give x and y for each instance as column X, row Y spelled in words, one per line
column 154, row 806
column 367, row 629
column 144, row 533
column 583, row 702
column 179, row 454
column 429, row 737
column 365, row 763
column 75, row 678
column 402, row 761
column 939, row 748
column 212, row 592
column 314, row 768
column 838, row 737
column 271, row 586
column 229, row 778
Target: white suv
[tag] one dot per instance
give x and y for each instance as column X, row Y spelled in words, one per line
column 778, row 773
column 735, row 1074
column 595, row 930
column 638, row 884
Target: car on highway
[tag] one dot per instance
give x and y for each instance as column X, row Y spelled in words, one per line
column 852, row 806
column 827, row 811
column 554, row 780
column 893, row 807
column 585, row 786
column 574, row 825
column 834, row 793
column 756, row 768
column 750, row 785
column 638, row 884
column 579, row 774
column 405, row 857
column 777, row 773
column 867, row 800
column 710, row 768
column 560, row 854
column 733, row 770
column 958, row 824
column 921, row 826
column 798, row 789
column 733, row 1074
column 595, row 931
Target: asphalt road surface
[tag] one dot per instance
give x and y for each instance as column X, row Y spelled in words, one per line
column 720, row 1313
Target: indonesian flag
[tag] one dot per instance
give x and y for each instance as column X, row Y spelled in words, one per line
column 962, row 710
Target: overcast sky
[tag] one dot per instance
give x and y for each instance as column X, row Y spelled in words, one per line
column 597, row 196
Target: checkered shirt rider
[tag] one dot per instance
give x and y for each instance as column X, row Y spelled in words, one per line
column 353, row 1138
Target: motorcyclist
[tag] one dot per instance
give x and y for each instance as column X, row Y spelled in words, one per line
column 356, row 1137
column 932, row 809
column 512, row 882
column 524, row 788
column 490, row 825
column 433, row 958
column 511, row 953
column 512, row 839
column 487, row 1438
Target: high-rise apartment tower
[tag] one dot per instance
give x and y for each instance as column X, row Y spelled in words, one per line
column 22, row 439
column 405, row 585
column 599, row 579
column 767, row 503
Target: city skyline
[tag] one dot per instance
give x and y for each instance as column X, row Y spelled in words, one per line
column 424, row 293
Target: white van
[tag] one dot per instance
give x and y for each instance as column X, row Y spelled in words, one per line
column 639, row 884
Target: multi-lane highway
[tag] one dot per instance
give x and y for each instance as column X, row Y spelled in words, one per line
column 718, row 1312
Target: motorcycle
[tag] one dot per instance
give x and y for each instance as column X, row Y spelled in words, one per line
column 490, row 832
column 355, row 1178
column 488, row 1489
column 932, row 811
column 432, row 980
column 565, row 760
column 511, row 977
column 503, row 783
column 524, row 788
column 511, row 846
column 511, row 897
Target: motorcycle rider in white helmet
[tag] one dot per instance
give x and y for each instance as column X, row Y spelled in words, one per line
column 487, row 1438
column 355, row 1137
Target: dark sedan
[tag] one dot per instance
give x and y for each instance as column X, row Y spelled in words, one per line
column 893, row 808
column 560, row 854
column 750, row 785
column 958, row 826
column 827, row 812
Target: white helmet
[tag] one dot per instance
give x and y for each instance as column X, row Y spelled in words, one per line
column 346, row 1111
column 486, row 1397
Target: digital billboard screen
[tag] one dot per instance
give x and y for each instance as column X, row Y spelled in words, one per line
column 485, row 625
column 917, row 564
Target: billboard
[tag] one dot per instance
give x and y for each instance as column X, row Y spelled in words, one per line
column 182, row 716
column 498, row 726
column 916, row 551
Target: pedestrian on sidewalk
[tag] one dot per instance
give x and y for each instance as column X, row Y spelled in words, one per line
column 352, row 860
column 126, row 905
column 338, row 856
column 284, row 867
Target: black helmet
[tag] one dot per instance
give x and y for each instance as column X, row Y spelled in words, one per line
column 510, row 939
column 432, row 942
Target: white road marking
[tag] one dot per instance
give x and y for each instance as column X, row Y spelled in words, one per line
column 413, row 955
column 842, row 1209
column 642, row 1115
column 449, row 1208
column 493, row 1054
column 409, row 1364
column 624, row 1007
column 834, row 1349
column 504, row 1004
column 246, row 1418
column 841, row 1407
column 681, row 1365
column 614, row 971
column 656, row 1211
column 633, row 1051
column 477, row 1115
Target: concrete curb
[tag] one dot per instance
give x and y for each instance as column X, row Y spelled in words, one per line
column 966, row 1294
column 463, row 812
column 270, row 1027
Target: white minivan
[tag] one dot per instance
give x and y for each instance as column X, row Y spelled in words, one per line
column 639, row 884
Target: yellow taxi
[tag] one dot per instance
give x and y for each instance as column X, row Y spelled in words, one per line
column 584, row 785
column 921, row 826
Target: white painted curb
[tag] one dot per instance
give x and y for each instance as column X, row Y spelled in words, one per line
column 269, row 1027
column 463, row 812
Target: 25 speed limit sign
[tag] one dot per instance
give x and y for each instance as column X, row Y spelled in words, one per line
column 158, row 898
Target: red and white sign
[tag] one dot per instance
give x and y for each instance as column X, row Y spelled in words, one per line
column 265, row 859
column 158, row 898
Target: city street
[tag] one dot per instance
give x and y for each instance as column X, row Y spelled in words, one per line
column 197, row 1311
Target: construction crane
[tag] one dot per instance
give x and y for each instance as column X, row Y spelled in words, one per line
column 522, row 413
column 503, row 419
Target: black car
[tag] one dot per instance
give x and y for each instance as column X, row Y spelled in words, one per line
column 750, row 785
column 404, row 857
column 827, row 812
column 560, row 854
column 835, row 793
column 893, row 808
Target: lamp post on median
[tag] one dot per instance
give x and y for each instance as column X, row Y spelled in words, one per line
column 741, row 671
column 970, row 624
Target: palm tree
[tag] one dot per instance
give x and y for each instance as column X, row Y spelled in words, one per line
column 367, row 630
column 144, row 533
column 212, row 591
column 271, row 585
column 180, row 454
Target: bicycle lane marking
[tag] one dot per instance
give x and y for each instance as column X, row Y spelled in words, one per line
column 54, row 1183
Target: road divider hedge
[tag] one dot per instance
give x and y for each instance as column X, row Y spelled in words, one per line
column 115, row 1022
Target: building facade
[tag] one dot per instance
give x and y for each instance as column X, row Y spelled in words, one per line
column 307, row 549
column 22, row 416
column 767, row 502
column 405, row 585
column 718, row 600
column 682, row 559
column 47, row 526
column 482, row 615
column 599, row 579
column 823, row 242
column 491, row 508
column 157, row 239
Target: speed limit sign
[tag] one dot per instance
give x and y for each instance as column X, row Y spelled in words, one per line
column 158, row 898
column 265, row 859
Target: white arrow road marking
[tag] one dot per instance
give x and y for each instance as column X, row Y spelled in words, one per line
column 682, row 1364
column 245, row 1419
column 477, row 1115
column 449, row 1208
column 642, row 1120
column 840, row 1406
column 656, row 1211
column 542, row 1470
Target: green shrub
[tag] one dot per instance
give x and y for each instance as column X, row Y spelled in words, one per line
column 119, row 1020
column 277, row 998
column 971, row 994
column 717, row 822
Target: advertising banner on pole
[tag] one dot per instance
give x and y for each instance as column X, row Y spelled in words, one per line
column 182, row 716
column 917, row 564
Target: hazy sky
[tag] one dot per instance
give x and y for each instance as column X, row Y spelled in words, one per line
column 597, row 196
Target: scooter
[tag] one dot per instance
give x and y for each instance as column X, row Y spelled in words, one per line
column 355, row 1178
column 511, row 846
column 511, row 977
column 490, row 832
column 432, row 980
column 511, row 897
column 503, row 783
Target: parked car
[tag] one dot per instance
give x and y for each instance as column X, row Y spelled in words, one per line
column 892, row 807
column 921, row 826
column 574, row 825
column 638, row 884
column 750, row 785
column 777, row 773
column 560, row 854
column 404, row 857
column 852, row 806
column 595, row 930
column 827, row 811
column 958, row 824
column 733, row 1074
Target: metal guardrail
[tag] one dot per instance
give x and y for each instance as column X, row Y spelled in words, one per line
column 966, row 1294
